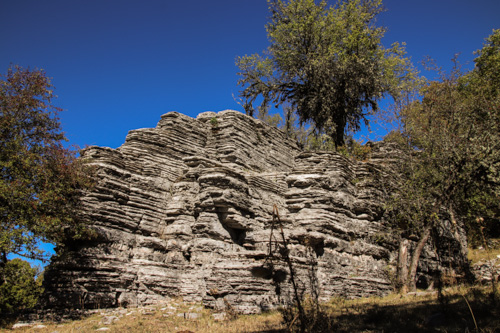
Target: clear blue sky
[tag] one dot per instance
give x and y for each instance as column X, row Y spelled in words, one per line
column 118, row 65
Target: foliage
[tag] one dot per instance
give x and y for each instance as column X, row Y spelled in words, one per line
column 20, row 288
column 328, row 63
column 355, row 149
column 452, row 144
column 488, row 65
column 41, row 180
column 214, row 122
column 272, row 120
column 318, row 141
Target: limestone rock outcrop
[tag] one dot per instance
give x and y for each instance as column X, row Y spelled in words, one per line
column 185, row 210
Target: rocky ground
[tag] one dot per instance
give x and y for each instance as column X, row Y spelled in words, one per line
column 457, row 309
column 172, row 316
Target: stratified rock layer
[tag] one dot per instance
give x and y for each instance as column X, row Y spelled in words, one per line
column 186, row 210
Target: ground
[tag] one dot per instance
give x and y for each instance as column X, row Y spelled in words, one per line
column 455, row 309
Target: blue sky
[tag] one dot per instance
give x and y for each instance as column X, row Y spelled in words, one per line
column 118, row 65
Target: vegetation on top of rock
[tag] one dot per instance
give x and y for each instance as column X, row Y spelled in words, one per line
column 328, row 63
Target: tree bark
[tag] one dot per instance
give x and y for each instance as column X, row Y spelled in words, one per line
column 402, row 268
column 339, row 132
column 411, row 283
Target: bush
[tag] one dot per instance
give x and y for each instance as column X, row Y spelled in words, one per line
column 354, row 149
column 19, row 289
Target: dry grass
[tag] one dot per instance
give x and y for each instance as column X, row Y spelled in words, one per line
column 460, row 309
column 161, row 319
column 457, row 309
column 482, row 253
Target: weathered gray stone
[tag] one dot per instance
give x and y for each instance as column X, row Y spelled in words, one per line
column 219, row 316
column 108, row 320
column 185, row 210
column 486, row 271
column 189, row 315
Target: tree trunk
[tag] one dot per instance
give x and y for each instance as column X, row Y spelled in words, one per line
column 411, row 283
column 3, row 262
column 402, row 269
column 339, row 132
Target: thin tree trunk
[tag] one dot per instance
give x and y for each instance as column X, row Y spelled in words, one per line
column 288, row 122
column 402, row 269
column 3, row 262
column 288, row 260
column 412, row 274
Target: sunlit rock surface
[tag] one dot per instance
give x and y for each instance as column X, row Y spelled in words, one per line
column 186, row 209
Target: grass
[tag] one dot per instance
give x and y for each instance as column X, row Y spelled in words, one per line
column 481, row 253
column 456, row 309
column 164, row 318
column 459, row 309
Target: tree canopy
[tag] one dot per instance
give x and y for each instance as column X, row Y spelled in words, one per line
column 328, row 63
column 40, row 180
column 452, row 140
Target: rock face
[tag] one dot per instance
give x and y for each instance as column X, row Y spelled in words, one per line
column 186, row 210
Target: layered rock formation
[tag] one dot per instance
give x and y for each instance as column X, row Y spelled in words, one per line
column 185, row 210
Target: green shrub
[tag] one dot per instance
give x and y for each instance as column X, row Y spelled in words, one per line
column 214, row 123
column 19, row 289
column 355, row 149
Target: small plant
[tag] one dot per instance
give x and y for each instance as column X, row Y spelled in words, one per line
column 231, row 313
column 355, row 150
column 214, row 122
column 357, row 180
column 305, row 313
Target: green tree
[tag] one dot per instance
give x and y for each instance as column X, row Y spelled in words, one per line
column 452, row 146
column 272, row 120
column 41, row 180
column 328, row 63
column 19, row 289
column 488, row 66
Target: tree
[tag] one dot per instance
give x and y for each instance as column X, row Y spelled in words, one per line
column 452, row 146
column 328, row 63
column 488, row 65
column 19, row 289
column 41, row 180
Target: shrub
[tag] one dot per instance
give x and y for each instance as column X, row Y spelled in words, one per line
column 19, row 289
column 214, row 122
